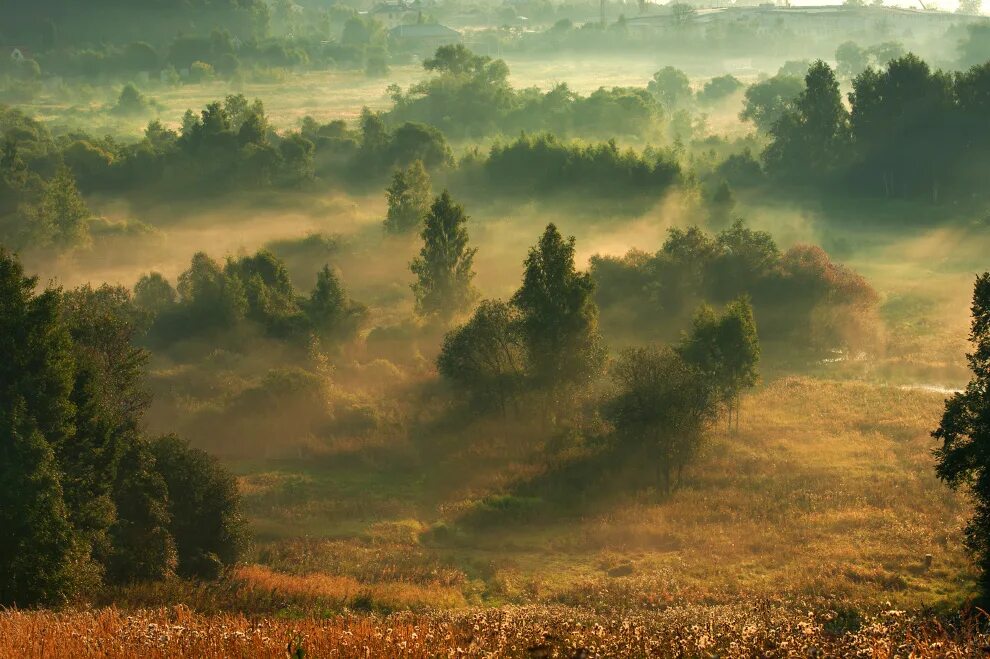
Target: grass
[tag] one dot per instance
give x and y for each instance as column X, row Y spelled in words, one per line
column 765, row 629
column 826, row 492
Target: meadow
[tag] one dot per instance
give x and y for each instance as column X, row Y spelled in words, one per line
column 404, row 526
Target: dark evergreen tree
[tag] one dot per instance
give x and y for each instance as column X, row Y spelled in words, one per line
column 443, row 268
column 43, row 558
column 963, row 459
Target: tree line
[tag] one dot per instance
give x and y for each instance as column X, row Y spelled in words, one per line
column 86, row 498
column 908, row 132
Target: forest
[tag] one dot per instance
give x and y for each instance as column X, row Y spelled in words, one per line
column 567, row 330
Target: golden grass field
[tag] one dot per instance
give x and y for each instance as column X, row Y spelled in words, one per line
column 804, row 534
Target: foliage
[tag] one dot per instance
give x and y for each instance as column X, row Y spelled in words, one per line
column 82, row 494
column 718, row 89
column 804, row 301
column 484, row 357
column 766, row 101
column 203, row 504
column 809, row 140
column 725, row 348
column 408, row 198
column 542, row 163
column 671, row 86
column 962, row 459
column 443, row 268
column 559, row 321
column 661, row 409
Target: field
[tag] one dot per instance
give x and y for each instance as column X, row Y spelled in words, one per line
column 816, row 527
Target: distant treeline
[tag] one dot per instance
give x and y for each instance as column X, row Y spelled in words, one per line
column 909, row 132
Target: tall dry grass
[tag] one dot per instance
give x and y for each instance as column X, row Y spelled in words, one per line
column 764, row 629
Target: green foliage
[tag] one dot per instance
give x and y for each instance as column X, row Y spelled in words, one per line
column 963, row 459
column 803, row 299
column 671, row 87
column 153, row 294
column 559, row 321
column 471, row 96
column 131, row 102
column 443, row 268
column 408, row 199
column 898, row 121
column 62, row 214
column 41, row 554
column 332, row 314
column 809, row 141
column 719, row 89
column 768, row 100
column 660, row 409
column 203, row 503
column 484, row 358
column 542, row 163
column 724, row 347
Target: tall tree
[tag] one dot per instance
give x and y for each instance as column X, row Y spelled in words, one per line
column 963, row 459
column 408, row 199
column 443, row 268
column 810, row 140
column 559, row 321
column 905, row 128
column 41, row 553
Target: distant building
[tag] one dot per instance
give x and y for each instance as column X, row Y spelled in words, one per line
column 424, row 35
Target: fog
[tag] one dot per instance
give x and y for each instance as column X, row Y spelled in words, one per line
column 532, row 314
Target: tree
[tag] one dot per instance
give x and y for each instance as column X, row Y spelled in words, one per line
column 332, row 314
column 62, row 214
column 559, row 320
column 671, row 87
column 905, row 128
column 768, row 100
column 153, row 294
column 211, row 297
column 203, row 503
column 408, row 199
column 142, row 544
column 484, row 357
column 971, row 7
column 718, row 89
column 41, row 554
column 131, row 101
column 963, row 459
column 725, row 347
column 455, row 59
column 443, row 268
column 809, row 141
column 850, row 59
column 720, row 202
column 660, row 409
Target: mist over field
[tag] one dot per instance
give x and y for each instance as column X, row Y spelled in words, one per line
column 522, row 329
